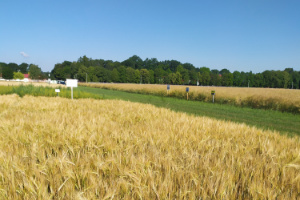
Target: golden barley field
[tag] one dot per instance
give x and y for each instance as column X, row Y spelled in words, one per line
column 267, row 98
column 57, row 148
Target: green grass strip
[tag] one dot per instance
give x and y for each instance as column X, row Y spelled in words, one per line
column 23, row 90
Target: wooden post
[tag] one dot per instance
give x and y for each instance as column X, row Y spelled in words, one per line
column 213, row 96
column 187, row 89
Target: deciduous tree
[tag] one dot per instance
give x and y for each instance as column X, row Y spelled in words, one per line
column 7, row 72
column 115, row 76
column 34, row 72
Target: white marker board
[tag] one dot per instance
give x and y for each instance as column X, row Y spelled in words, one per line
column 72, row 83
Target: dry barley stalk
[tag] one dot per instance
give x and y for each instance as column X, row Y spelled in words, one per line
column 64, row 149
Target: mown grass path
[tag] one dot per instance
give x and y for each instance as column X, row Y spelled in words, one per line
column 285, row 123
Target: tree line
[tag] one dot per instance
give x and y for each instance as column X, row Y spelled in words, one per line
column 136, row 70
column 15, row 71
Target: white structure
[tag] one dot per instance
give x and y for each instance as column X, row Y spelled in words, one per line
column 72, row 83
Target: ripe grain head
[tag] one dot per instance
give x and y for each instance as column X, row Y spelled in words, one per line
column 267, row 98
column 59, row 148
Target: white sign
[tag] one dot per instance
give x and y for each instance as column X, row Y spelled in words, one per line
column 72, row 83
column 57, row 90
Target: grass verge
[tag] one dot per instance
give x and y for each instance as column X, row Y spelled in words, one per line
column 23, row 90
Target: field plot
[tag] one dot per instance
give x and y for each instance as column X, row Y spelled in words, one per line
column 37, row 84
column 109, row 149
column 44, row 90
column 267, row 98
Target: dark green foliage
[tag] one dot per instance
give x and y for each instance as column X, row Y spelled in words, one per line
column 35, row 72
column 170, row 72
column 13, row 66
column 7, row 72
column 136, row 70
column 24, row 67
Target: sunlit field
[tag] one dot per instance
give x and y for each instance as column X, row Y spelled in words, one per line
column 57, row 148
column 15, row 83
column 267, row 98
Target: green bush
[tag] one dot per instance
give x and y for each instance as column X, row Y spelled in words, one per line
column 5, row 90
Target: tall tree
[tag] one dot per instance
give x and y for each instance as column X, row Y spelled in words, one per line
column 193, row 76
column 115, row 77
column 171, row 78
column 35, row 72
column 258, row 80
column 151, row 76
column 13, row 66
column 227, row 77
column 2, row 65
column 82, row 73
column 7, row 72
column 237, row 81
column 215, row 78
column 134, row 61
column 107, row 76
column 58, row 72
column 130, row 75
column 204, row 76
column 173, row 65
column 286, row 79
column 100, row 73
column 185, row 76
column 178, row 78
column 145, row 76
column 137, row 76
column 188, row 66
column 179, row 68
column 24, row 67
column 122, row 74
column 159, row 75
column 92, row 74
column 150, row 64
column 295, row 80
column 85, row 61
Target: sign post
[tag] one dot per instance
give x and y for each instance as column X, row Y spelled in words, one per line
column 213, row 95
column 72, row 83
column 168, row 89
column 187, row 89
column 57, row 91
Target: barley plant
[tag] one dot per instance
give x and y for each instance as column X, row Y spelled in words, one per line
column 45, row 84
column 285, row 100
column 57, row 148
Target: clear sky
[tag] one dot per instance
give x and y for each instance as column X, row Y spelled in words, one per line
column 241, row 35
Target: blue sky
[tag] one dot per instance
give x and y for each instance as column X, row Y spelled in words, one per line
column 241, row 35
